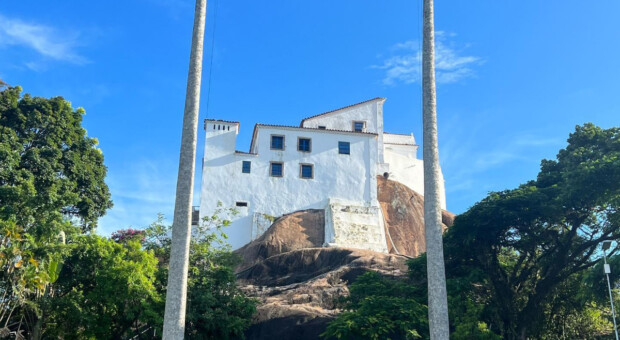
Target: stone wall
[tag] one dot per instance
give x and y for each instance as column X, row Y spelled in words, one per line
column 355, row 226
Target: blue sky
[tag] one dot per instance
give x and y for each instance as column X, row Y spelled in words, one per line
column 514, row 78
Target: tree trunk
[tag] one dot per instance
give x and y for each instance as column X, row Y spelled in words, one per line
column 174, row 317
column 37, row 329
column 437, row 296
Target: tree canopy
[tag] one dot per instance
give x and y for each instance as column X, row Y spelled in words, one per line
column 60, row 280
column 49, row 168
column 525, row 263
column 530, row 239
column 51, row 176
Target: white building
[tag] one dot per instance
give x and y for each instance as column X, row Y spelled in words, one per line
column 330, row 161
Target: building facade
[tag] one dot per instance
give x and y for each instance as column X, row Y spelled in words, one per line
column 330, row 161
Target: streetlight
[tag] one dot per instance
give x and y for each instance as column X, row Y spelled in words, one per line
column 606, row 245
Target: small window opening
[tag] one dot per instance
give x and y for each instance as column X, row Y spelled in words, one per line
column 277, row 142
column 304, row 144
column 241, row 204
column 322, row 127
column 306, row 171
column 246, row 167
column 276, row 169
column 359, row 126
column 344, row 148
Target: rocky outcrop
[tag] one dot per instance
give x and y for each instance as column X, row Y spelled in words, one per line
column 297, row 290
column 298, row 230
column 403, row 210
column 297, row 281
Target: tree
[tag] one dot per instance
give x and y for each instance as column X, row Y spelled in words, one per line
column 574, row 310
column 217, row 308
column 524, row 263
column 380, row 308
column 105, row 291
column 437, row 296
column 50, row 170
column 51, row 176
column 174, row 319
column 530, row 240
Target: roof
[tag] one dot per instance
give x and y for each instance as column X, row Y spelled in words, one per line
column 342, row 108
column 245, row 153
column 290, row 127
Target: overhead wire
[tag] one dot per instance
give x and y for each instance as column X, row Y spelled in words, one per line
column 420, row 53
column 217, row 3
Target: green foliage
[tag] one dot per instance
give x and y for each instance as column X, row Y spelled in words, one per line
column 525, row 263
column 579, row 307
column 90, row 287
column 105, row 291
column 51, row 175
column 216, row 307
column 380, row 308
column 530, row 240
column 49, row 168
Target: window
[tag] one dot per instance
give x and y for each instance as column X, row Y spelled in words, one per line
column 246, row 166
column 304, row 144
column 241, row 204
column 344, row 148
column 276, row 169
column 306, row 171
column 359, row 126
column 277, row 142
column 322, row 127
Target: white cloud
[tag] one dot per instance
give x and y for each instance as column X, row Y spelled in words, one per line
column 45, row 40
column 468, row 159
column 405, row 65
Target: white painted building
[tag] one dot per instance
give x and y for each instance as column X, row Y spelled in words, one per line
column 331, row 161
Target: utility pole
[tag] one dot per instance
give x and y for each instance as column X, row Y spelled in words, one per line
column 176, row 291
column 436, row 274
column 607, row 269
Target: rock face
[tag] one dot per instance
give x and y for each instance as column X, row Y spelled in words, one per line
column 403, row 210
column 296, row 280
column 297, row 290
column 299, row 230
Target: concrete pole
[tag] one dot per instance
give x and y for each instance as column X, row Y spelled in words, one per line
column 437, row 296
column 176, row 291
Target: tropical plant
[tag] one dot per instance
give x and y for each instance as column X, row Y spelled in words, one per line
column 105, row 291
column 51, row 180
column 216, row 308
column 380, row 308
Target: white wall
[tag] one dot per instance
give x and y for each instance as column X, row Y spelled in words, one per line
column 349, row 177
column 370, row 112
column 404, row 166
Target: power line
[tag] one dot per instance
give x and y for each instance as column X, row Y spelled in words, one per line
column 211, row 61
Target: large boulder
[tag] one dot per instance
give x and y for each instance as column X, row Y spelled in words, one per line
column 297, row 281
column 298, row 230
column 403, row 210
